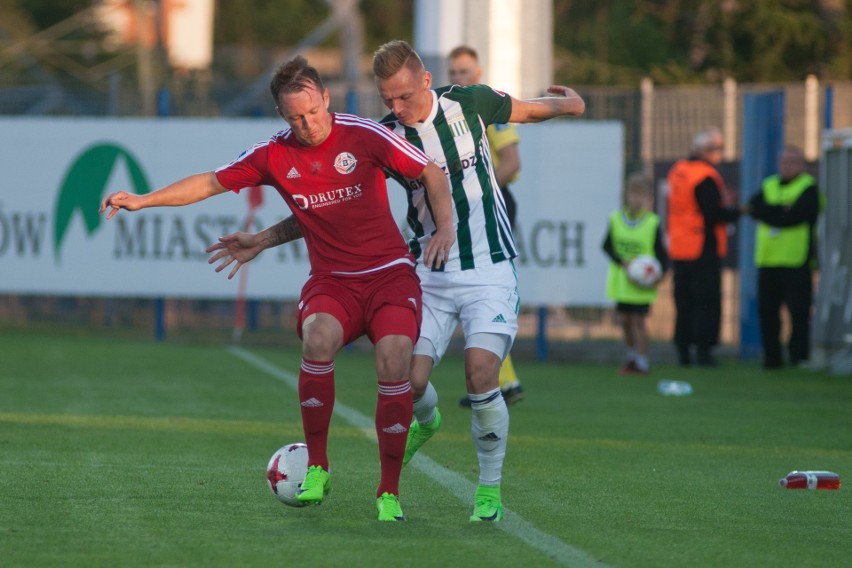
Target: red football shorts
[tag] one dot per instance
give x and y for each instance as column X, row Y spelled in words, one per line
column 378, row 304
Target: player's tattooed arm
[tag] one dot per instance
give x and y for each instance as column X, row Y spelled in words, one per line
column 241, row 247
column 282, row 232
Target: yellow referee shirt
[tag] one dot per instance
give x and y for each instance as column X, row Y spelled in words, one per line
column 500, row 136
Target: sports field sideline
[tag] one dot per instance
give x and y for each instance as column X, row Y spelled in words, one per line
column 119, row 452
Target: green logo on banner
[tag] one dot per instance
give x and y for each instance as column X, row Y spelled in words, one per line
column 85, row 185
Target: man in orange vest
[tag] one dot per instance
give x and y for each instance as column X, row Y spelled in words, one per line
column 698, row 209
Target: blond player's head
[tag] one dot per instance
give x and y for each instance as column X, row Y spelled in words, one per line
column 402, row 81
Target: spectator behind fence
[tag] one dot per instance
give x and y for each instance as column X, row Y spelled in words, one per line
column 633, row 231
column 698, row 209
column 786, row 211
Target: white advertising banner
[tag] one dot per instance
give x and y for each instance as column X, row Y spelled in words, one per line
column 57, row 171
column 570, row 181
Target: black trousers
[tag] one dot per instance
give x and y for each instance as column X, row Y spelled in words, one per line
column 698, row 302
column 793, row 288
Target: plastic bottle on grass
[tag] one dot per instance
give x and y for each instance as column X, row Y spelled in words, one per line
column 810, row 480
column 674, row 388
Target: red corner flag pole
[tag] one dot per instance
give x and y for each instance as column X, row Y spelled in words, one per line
column 255, row 200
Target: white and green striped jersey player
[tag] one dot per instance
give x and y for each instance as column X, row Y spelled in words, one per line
column 453, row 136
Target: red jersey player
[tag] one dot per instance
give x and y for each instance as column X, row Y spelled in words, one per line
column 329, row 168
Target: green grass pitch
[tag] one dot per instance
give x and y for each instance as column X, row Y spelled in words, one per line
column 116, row 452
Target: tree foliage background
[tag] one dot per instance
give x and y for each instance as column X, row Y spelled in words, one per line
column 600, row 42
column 677, row 41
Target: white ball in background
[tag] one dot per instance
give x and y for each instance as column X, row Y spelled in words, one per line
column 644, row 271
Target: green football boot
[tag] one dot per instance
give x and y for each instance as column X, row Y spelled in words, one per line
column 389, row 508
column 487, row 508
column 315, row 487
column 418, row 434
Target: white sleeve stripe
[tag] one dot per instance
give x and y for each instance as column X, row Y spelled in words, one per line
column 285, row 133
column 398, row 141
column 243, row 156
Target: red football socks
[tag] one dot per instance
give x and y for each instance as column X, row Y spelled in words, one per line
column 316, row 396
column 393, row 417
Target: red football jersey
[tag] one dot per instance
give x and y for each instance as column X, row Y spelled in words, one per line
column 336, row 190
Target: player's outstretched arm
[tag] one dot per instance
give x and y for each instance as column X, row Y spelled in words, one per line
column 182, row 192
column 438, row 189
column 243, row 247
column 563, row 101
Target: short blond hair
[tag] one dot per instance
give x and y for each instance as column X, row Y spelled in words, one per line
column 393, row 56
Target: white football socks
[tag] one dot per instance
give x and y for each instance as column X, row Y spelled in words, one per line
column 424, row 407
column 489, row 428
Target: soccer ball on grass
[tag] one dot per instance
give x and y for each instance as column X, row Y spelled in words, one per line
column 286, row 472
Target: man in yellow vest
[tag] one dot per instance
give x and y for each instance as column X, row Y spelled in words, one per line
column 698, row 209
column 503, row 140
column 786, row 210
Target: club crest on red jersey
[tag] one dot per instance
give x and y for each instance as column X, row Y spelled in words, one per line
column 345, row 163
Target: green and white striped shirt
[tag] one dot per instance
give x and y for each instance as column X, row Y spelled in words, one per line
column 453, row 136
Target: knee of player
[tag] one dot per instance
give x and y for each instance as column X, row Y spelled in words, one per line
column 393, row 366
column 483, row 355
column 483, row 374
column 321, row 342
column 420, row 370
column 393, row 357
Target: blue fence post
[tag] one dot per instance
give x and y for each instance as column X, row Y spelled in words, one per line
column 252, row 309
column 108, row 312
column 352, row 101
column 541, row 336
column 763, row 138
column 164, row 99
column 160, row 319
column 829, row 107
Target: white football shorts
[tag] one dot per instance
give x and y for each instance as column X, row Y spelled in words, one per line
column 484, row 300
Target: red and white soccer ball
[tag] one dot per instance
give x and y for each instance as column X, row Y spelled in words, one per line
column 644, row 271
column 286, row 472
